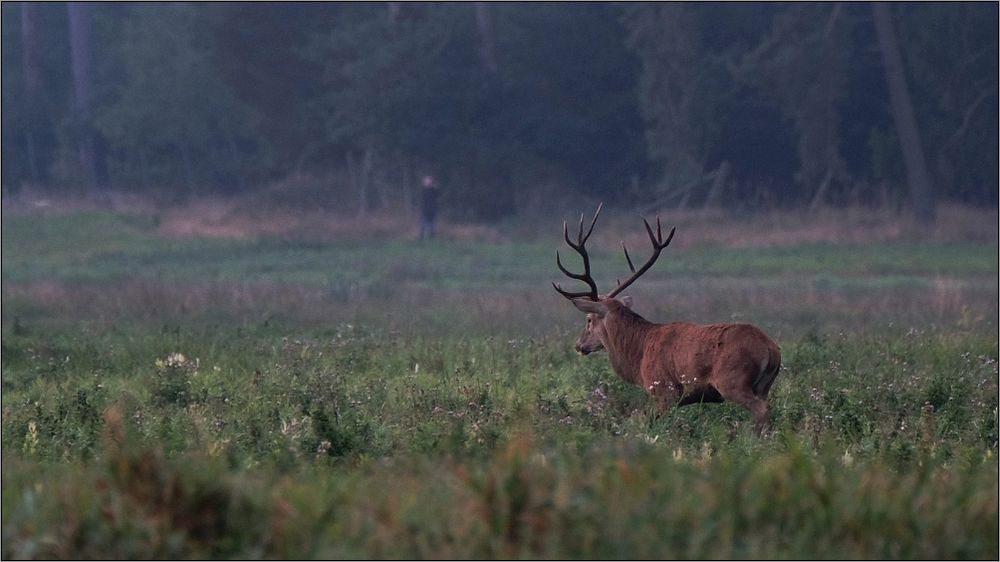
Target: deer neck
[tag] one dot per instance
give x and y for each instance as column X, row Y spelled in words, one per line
column 626, row 334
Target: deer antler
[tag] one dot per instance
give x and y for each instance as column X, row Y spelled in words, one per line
column 581, row 240
column 658, row 245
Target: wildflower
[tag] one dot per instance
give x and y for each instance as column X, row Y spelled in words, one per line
column 176, row 360
column 31, row 439
column 323, row 448
column 598, row 395
column 707, row 451
column 291, row 428
column 848, row 458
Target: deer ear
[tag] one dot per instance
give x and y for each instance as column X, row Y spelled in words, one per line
column 591, row 307
column 626, row 300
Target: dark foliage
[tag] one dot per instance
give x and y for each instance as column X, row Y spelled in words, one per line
column 736, row 105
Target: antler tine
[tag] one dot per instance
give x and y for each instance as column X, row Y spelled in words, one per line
column 592, row 223
column 658, row 245
column 586, row 277
column 560, row 265
column 628, row 259
column 582, row 238
column 582, row 277
column 657, row 240
column 670, row 236
column 579, row 236
column 649, row 231
column 570, row 294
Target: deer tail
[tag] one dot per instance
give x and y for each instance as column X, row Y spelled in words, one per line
column 768, row 371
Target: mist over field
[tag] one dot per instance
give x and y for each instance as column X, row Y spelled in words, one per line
column 235, row 325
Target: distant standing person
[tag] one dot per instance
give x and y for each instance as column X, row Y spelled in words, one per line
column 428, row 206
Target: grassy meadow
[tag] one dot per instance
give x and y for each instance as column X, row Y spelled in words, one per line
column 304, row 394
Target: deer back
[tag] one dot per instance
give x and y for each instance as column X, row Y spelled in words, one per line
column 690, row 354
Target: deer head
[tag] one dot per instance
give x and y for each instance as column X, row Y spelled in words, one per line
column 595, row 305
column 595, row 335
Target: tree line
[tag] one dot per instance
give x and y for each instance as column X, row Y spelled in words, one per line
column 738, row 105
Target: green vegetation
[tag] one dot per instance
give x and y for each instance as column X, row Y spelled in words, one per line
column 106, row 246
column 196, row 398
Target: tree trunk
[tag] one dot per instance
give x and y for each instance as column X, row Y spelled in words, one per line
column 366, row 177
column 31, row 53
column 361, row 180
column 31, row 60
column 487, row 36
column 393, row 13
column 355, row 180
column 234, row 153
column 820, row 196
column 714, row 198
column 80, row 53
column 188, row 167
column 917, row 176
column 407, row 187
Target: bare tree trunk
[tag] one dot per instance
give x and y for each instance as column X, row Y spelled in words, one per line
column 188, row 167
column 407, row 187
column 820, row 196
column 80, row 52
column 31, row 53
column 380, row 183
column 32, row 82
column 487, row 36
column 352, row 175
column 394, row 10
column 366, row 177
column 714, row 198
column 361, row 179
column 234, row 153
column 902, row 111
column 143, row 168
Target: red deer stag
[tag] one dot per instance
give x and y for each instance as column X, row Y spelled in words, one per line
column 676, row 363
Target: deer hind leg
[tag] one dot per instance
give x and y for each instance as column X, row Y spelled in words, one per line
column 744, row 396
column 761, row 415
column 768, row 372
column 762, row 385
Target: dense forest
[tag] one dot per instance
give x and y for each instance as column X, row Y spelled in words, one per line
column 740, row 105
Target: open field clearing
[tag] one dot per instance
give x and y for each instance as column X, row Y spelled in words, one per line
column 299, row 393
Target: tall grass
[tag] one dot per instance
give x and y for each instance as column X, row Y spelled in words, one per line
column 527, row 499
